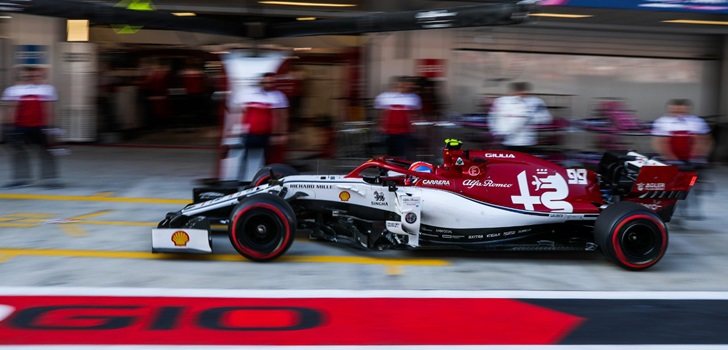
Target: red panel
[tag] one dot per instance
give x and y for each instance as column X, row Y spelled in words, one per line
column 226, row 321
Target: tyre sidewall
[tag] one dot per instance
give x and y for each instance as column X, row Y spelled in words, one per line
column 264, row 204
column 611, row 227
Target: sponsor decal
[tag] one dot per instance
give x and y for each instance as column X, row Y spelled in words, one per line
column 344, row 196
column 459, row 162
column 435, row 19
column 410, row 218
column 411, row 202
column 651, row 186
column 474, row 170
column 485, row 183
column 493, row 235
column 211, row 195
column 436, row 182
column 577, row 176
column 392, row 225
column 553, row 198
column 652, row 206
column 379, row 199
column 500, row 155
column 311, row 186
column 180, row 238
column 261, row 321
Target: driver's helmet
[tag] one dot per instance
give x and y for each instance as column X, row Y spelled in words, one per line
column 420, row 167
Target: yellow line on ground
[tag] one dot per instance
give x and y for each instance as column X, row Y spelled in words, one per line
column 54, row 197
column 90, row 215
column 5, row 225
column 23, row 220
column 109, row 254
column 26, row 216
column 394, row 270
column 73, row 230
column 119, row 223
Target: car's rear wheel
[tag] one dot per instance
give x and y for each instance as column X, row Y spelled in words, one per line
column 272, row 172
column 262, row 227
column 631, row 235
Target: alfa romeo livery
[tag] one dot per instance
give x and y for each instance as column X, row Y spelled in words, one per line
column 475, row 200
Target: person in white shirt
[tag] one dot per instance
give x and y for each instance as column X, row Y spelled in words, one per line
column 683, row 139
column 513, row 117
column 397, row 109
column 681, row 136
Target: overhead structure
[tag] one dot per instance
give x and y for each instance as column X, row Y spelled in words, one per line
column 488, row 14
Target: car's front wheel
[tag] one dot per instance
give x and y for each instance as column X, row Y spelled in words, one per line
column 262, row 227
column 631, row 235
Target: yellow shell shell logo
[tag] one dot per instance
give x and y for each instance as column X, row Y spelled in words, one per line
column 344, row 196
column 180, row 238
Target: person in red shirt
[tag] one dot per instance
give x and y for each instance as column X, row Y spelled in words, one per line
column 397, row 109
column 264, row 123
column 31, row 99
column 196, row 102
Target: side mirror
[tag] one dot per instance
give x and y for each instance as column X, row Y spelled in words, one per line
column 392, row 186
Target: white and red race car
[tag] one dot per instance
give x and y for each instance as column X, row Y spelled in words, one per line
column 475, row 200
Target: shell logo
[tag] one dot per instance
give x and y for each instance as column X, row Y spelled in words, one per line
column 344, row 196
column 180, row 238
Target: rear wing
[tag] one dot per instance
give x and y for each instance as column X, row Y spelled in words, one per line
column 637, row 178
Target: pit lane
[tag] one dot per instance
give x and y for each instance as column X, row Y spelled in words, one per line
column 95, row 234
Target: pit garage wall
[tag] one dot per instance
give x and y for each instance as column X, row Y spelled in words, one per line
column 71, row 68
column 646, row 69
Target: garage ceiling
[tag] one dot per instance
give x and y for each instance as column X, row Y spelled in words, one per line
column 250, row 11
column 601, row 18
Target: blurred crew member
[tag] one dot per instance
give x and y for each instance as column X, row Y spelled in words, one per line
column 32, row 99
column 514, row 116
column 680, row 135
column 683, row 139
column 397, row 109
column 195, row 86
column 265, row 117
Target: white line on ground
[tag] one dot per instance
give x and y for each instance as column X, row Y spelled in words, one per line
column 328, row 293
column 413, row 347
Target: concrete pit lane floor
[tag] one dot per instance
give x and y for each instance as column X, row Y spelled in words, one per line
column 84, row 251
column 96, row 232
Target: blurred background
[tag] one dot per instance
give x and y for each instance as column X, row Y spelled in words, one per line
column 164, row 72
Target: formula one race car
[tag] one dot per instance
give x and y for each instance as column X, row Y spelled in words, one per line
column 475, row 200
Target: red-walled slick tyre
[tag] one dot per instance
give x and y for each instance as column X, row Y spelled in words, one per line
column 262, row 227
column 277, row 170
column 631, row 235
